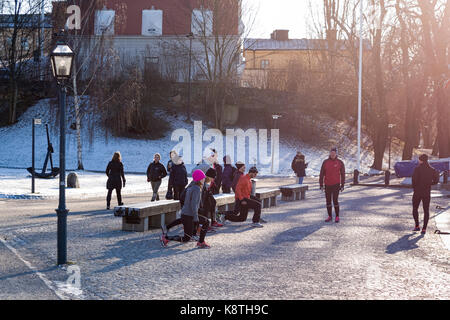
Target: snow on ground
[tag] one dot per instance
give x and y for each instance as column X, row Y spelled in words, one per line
column 98, row 149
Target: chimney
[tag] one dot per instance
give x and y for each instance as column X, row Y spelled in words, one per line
column 280, row 35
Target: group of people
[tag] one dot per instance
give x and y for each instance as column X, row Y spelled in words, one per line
column 199, row 205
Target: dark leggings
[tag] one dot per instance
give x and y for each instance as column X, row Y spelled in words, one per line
column 252, row 203
column 332, row 193
column 189, row 228
column 119, row 196
column 425, row 199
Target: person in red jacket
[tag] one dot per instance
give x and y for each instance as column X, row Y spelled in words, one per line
column 246, row 201
column 332, row 174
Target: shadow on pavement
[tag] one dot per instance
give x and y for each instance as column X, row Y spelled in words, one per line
column 405, row 243
column 296, row 234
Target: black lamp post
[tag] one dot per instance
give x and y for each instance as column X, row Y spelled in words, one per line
column 191, row 37
column 390, row 126
column 62, row 60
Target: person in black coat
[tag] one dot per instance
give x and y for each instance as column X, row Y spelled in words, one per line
column 155, row 173
column 299, row 166
column 178, row 176
column 423, row 178
column 169, row 194
column 116, row 177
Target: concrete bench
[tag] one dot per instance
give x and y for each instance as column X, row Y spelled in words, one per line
column 224, row 202
column 294, row 192
column 142, row 216
column 268, row 196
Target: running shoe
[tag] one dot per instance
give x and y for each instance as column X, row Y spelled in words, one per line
column 163, row 241
column 203, row 245
column 261, row 220
column 423, row 231
column 215, row 224
column 328, row 219
column 417, row 228
column 337, row 219
column 257, row 225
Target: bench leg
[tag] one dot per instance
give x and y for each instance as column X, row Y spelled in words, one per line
column 163, row 219
column 297, row 196
column 273, row 201
column 266, row 203
column 303, row 195
column 142, row 226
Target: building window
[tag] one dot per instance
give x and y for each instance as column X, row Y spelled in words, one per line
column 265, row 64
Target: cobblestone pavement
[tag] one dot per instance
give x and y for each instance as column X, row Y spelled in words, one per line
column 371, row 254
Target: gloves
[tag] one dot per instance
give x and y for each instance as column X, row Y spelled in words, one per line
column 342, row 188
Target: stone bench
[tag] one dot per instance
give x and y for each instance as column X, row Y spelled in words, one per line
column 268, row 196
column 143, row 216
column 294, row 192
column 224, row 201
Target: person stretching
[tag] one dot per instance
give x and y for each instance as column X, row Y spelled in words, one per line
column 246, row 201
column 189, row 214
column 333, row 172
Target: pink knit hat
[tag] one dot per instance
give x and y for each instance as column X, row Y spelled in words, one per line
column 198, row 175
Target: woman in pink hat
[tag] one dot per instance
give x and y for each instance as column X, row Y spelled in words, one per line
column 189, row 213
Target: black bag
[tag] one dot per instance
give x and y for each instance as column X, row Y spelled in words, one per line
column 169, row 195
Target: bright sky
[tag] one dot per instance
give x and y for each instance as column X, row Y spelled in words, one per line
column 280, row 14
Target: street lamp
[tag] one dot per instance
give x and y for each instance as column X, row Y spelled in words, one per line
column 390, row 126
column 275, row 117
column 62, row 60
column 191, row 37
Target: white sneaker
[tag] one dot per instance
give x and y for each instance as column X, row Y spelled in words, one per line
column 257, row 225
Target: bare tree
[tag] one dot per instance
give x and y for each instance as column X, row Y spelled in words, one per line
column 20, row 23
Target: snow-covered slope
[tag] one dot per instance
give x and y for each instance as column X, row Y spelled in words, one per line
column 15, row 150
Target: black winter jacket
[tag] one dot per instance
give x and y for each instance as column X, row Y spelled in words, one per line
column 299, row 166
column 178, row 175
column 423, row 178
column 156, row 172
column 114, row 171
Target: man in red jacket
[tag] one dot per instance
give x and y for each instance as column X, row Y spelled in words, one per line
column 246, row 201
column 333, row 174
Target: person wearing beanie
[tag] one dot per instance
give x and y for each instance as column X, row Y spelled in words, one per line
column 227, row 175
column 214, row 161
column 189, row 214
column 246, row 201
column 299, row 166
column 423, row 178
column 332, row 174
column 208, row 207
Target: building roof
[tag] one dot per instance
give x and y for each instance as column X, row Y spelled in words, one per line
column 25, row 21
column 293, row 44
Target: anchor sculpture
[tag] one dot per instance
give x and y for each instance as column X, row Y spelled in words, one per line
column 54, row 171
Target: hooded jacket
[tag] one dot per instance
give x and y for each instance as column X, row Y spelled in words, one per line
column 192, row 201
column 423, row 178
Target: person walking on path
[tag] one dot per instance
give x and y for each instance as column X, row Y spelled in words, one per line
column 155, row 173
column 299, row 166
column 189, row 214
column 178, row 176
column 169, row 194
column 227, row 176
column 423, row 178
column 332, row 174
column 116, row 177
column 246, row 201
